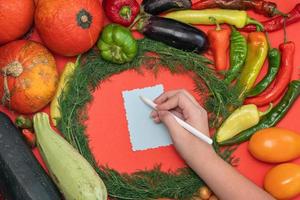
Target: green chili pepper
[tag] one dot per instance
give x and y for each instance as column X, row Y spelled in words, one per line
column 238, row 53
column 272, row 118
column 257, row 53
column 274, row 64
column 117, row 44
column 241, row 119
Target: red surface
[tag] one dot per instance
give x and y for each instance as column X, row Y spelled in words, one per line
column 107, row 125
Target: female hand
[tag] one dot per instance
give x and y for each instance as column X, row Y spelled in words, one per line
column 183, row 105
column 199, row 155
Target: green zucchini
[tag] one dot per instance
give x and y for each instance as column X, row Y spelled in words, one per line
column 21, row 176
column 74, row 176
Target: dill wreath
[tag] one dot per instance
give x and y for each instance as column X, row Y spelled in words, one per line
column 154, row 183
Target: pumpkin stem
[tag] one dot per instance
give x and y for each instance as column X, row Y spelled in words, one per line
column 84, row 19
column 6, row 92
column 14, row 69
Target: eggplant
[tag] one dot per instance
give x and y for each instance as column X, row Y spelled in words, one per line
column 174, row 33
column 21, row 176
column 156, row 7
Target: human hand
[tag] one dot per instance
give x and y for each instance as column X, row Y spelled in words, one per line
column 199, row 155
column 183, row 105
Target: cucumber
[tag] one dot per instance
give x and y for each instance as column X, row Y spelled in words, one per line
column 74, row 176
column 21, row 176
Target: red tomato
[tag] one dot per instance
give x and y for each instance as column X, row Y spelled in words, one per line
column 283, row 181
column 275, row 145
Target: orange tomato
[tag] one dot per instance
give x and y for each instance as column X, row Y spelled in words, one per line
column 283, row 181
column 275, row 145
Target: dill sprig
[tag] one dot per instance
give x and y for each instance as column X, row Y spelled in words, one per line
column 219, row 97
column 151, row 184
column 92, row 70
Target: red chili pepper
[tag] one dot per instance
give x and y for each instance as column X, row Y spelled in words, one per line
column 29, row 137
column 121, row 11
column 277, row 23
column 266, row 8
column 219, row 44
column 282, row 80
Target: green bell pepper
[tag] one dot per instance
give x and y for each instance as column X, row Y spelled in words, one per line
column 117, row 44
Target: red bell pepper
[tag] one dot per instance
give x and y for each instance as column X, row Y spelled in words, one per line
column 122, row 12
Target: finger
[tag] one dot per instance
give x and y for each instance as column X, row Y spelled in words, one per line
column 169, row 104
column 177, row 114
column 165, row 96
column 174, row 128
column 179, row 100
column 190, row 96
column 157, row 120
column 154, row 114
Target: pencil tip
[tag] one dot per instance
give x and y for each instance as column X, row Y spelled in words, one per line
column 141, row 97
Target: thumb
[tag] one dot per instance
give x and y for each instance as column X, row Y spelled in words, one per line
column 172, row 125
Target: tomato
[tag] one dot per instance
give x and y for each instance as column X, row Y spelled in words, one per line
column 275, row 145
column 283, row 181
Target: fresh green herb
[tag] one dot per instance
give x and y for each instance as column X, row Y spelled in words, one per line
column 152, row 184
column 219, row 96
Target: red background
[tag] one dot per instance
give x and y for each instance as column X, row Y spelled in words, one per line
column 107, row 125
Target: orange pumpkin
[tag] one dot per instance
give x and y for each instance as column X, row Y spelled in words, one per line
column 28, row 78
column 69, row 27
column 16, row 17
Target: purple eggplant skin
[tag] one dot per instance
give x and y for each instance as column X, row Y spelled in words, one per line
column 21, row 176
column 156, row 7
column 173, row 33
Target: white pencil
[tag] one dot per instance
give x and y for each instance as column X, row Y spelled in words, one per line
column 185, row 125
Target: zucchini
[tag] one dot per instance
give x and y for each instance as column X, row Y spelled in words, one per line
column 74, row 176
column 21, row 176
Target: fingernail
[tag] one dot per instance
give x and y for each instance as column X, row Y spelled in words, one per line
column 153, row 114
column 156, row 120
column 158, row 107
